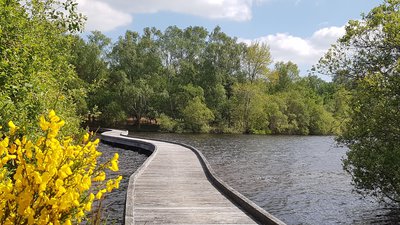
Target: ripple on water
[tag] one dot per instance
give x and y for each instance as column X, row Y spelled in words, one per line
column 299, row 179
column 129, row 162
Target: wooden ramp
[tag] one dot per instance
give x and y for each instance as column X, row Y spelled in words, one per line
column 172, row 187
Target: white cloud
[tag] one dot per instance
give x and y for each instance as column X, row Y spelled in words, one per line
column 327, row 35
column 102, row 16
column 238, row 10
column 106, row 15
column 303, row 51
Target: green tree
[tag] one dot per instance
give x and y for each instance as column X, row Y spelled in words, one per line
column 90, row 62
column 35, row 73
column 278, row 120
column 219, row 71
column 136, row 83
column 196, row 115
column 256, row 60
column 366, row 60
column 283, row 76
column 110, row 98
column 247, row 107
column 137, row 100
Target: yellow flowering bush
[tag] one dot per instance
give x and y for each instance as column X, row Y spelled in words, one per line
column 50, row 180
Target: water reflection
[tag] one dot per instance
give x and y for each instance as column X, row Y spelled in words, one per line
column 298, row 179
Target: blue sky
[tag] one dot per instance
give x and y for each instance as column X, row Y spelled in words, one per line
column 296, row 30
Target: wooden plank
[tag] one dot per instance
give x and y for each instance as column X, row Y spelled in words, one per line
column 174, row 189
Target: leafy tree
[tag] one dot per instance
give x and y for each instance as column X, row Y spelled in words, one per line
column 35, row 73
column 219, row 71
column 366, row 60
column 248, row 104
column 278, row 120
column 196, row 115
column 283, row 76
column 137, row 99
column 135, row 65
column 90, row 58
column 256, row 61
column 110, row 98
column 90, row 62
column 298, row 113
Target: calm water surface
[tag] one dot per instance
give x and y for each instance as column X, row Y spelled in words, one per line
column 298, row 179
column 129, row 162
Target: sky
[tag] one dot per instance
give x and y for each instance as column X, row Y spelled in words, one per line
column 300, row 31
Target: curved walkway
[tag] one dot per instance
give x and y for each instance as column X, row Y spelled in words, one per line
column 177, row 186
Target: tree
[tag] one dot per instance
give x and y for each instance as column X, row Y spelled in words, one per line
column 248, row 107
column 196, row 115
column 90, row 62
column 219, row 71
column 136, row 76
column 90, row 58
column 137, row 100
column 35, row 73
column 366, row 61
column 283, row 75
column 278, row 120
column 256, row 61
column 110, row 98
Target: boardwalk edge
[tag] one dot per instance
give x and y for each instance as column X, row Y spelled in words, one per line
column 122, row 139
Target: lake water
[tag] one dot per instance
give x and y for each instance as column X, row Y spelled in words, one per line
column 298, row 179
column 114, row 203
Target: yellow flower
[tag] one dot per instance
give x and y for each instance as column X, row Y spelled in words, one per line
column 110, row 185
column 12, row 127
column 38, row 178
column 44, row 125
column 85, row 137
column 88, row 206
column 100, row 193
column 67, row 222
column 114, row 166
column 59, row 183
column 42, row 187
column 3, row 146
column 52, row 114
column 4, row 142
column 100, row 177
column 49, row 176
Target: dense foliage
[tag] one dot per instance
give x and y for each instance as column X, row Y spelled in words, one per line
column 192, row 80
column 366, row 63
column 35, row 73
column 50, row 180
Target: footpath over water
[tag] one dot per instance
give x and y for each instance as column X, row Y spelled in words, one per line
column 176, row 185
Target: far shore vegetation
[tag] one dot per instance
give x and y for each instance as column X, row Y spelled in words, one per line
column 194, row 80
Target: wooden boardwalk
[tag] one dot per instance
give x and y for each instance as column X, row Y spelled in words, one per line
column 172, row 187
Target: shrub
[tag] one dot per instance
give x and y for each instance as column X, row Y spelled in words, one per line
column 167, row 123
column 50, row 180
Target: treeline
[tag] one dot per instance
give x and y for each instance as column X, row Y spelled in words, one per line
column 192, row 80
